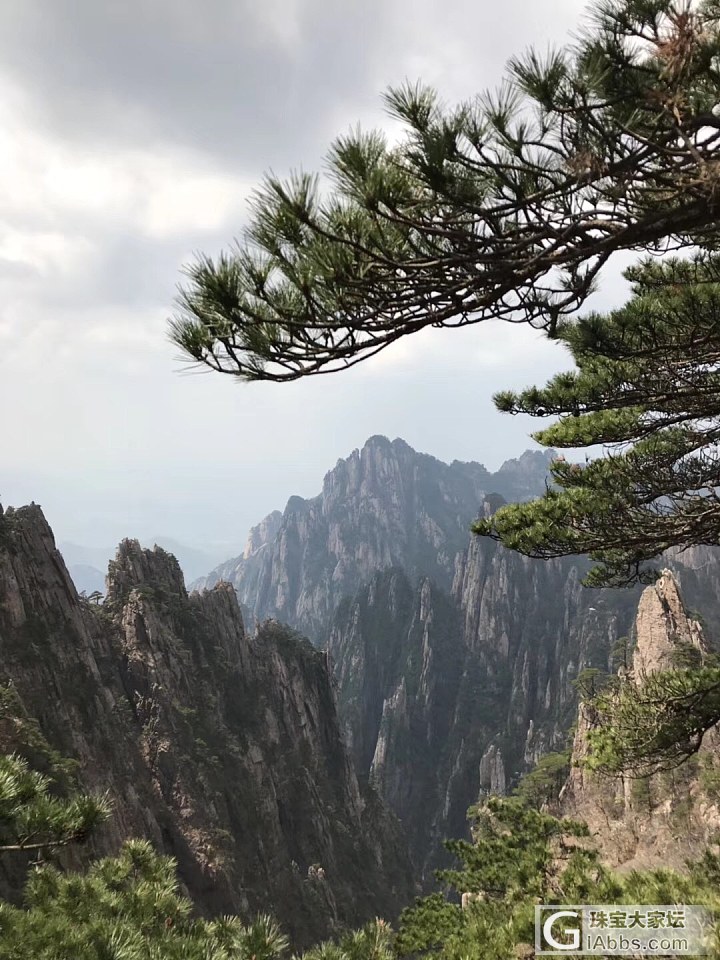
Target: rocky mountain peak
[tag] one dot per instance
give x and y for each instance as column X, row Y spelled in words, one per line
column 42, row 586
column 662, row 624
column 525, row 475
column 223, row 748
column 262, row 534
column 379, row 463
column 528, row 461
column 136, row 567
column 383, row 506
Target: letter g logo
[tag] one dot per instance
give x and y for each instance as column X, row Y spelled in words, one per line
column 574, row 935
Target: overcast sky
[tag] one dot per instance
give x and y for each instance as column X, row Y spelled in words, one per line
column 132, row 134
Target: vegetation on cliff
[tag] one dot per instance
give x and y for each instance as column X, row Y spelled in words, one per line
column 127, row 907
column 519, row 857
column 655, row 725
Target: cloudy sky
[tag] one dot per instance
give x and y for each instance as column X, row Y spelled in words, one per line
column 133, row 132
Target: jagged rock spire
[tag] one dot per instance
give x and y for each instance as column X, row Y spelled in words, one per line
column 636, row 821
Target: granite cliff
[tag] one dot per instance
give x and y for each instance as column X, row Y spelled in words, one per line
column 221, row 747
column 447, row 696
column 672, row 816
column 455, row 658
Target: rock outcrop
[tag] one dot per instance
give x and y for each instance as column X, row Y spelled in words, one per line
column 670, row 817
column 223, row 748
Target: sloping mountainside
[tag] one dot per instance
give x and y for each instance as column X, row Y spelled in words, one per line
column 455, row 659
column 223, row 749
column 385, row 505
column 672, row 816
column 448, row 696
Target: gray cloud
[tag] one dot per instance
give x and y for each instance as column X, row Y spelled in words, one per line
column 252, row 82
column 135, row 133
column 234, row 79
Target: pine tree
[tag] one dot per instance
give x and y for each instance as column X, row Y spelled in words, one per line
column 32, row 819
column 508, row 206
column 125, row 908
column 375, row 941
column 520, row 857
column 542, row 785
column 657, row 724
column 647, row 388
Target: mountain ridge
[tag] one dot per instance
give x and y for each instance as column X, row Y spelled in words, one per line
column 221, row 747
column 383, row 505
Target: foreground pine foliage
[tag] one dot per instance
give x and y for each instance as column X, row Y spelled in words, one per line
column 125, row 908
column 130, row 907
column 519, row 857
column 32, row 819
column 374, row 942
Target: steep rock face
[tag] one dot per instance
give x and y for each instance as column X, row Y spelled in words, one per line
column 222, row 748
column 385, row 505
column 670, row 817
column 455, row 658
column 447, row 696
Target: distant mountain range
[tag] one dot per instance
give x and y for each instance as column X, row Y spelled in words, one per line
column 385, row 505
